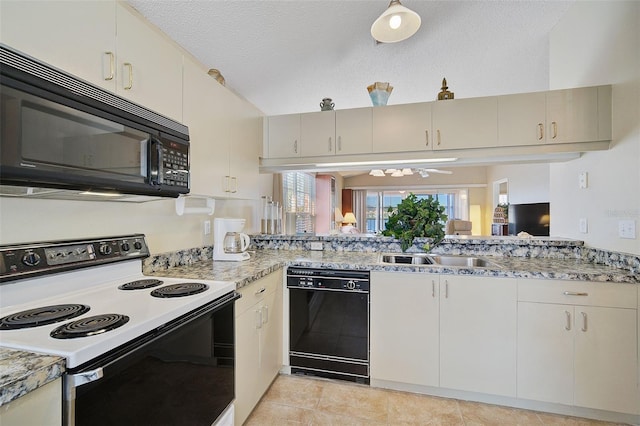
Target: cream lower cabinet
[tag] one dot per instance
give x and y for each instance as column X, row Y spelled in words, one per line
column 42, row 407
column 478, row 334
column 404, row 328
column 577, row 344
column 258, row 341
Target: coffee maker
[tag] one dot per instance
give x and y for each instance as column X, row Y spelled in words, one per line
column 229, row 243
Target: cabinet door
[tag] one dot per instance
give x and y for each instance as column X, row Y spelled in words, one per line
column 465, row 123
column 70, row 35
column 42, row 407
column 572, row 115
column 398, row 128
column 284, row 136
column 545, row 352
column 206, row 115
column 271, row 331
column 478, row 334
column 404, row 328
column 354, row 131
column 149, row 67
column 521, row 119
column 247, row 368
column 318, row 133
column 606, row 363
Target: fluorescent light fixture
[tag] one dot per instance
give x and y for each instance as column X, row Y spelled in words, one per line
column 381, row 162
column 101, row 194
column 397, row 23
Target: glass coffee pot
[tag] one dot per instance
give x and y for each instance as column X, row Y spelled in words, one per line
column 236, row 242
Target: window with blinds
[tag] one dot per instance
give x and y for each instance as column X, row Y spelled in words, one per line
column 299, row 201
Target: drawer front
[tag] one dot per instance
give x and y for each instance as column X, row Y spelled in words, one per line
column 582, row 293
column 257, row 291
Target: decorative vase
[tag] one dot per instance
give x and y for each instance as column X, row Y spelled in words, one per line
column 326, row 105
column 379, row 93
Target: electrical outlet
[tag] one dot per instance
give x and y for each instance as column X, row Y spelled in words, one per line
column 627, row 229
column 315, row 245
column 583, row 180
column 583, row 225
column 207, row 227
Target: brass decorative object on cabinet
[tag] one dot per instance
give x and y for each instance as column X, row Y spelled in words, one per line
column 444, row 93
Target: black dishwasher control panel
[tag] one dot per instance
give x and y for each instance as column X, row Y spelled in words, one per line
column 328, row 279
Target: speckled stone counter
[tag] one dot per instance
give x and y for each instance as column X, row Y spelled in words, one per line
column 22, row 372
column 263, row 262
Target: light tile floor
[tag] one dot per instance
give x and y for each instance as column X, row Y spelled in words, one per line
column 293, row 400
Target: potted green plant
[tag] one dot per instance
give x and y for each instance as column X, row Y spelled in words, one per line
column 415, row 217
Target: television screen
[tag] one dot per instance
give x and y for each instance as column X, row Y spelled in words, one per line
column 531, row 218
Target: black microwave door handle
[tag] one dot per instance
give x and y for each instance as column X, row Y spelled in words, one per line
column 156, row 171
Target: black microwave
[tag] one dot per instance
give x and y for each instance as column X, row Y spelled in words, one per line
column 57, row 131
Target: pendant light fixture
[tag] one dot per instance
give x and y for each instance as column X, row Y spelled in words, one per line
column 397, row 23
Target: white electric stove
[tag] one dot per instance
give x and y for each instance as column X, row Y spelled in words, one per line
column 88, row 301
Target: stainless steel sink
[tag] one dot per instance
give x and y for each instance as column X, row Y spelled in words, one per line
column 407, row 259
column 437, row 260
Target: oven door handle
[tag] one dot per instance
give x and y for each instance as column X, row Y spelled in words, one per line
column 85, row 377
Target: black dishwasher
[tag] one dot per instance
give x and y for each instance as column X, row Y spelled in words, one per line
column 329, row 323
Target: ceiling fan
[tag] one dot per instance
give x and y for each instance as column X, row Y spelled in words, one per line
column 423, row 172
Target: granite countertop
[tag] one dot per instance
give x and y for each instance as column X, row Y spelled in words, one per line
column 264, row 262
column 22, row 372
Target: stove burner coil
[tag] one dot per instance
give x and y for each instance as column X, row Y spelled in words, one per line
column 140, row 284
column 42, row 316
column 89, row 326
column 179, row 290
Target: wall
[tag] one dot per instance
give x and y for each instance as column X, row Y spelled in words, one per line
column 599, row 43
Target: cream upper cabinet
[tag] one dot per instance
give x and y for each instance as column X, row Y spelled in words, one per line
column 577, row 344
column 406, row 127
column 573, row 115
column 478, row 334
column 148, row 65
column 74, row 36
column 521, row 119
column 283, row 136
column 225, row 133
column 317, row 134
column 404, row 330
column 354, row 131
column 465, row 123
column 258, row 341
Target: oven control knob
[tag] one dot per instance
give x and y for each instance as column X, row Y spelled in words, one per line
column 137, row 245
column 31, row 259
column 125, row 247
column 105, row 249
column 351, row 285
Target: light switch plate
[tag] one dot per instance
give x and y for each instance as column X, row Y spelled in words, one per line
column 583, row 225
column 627, row 229
column 583, row 180
column 207, row 227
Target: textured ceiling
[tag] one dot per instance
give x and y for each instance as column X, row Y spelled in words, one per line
column 285, row 56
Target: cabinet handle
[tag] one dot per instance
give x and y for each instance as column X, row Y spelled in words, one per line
column 111, row 66
column 568, row 326
column 438, row 132
column 426, row 136
column 330, row 144
column 130, row 85
column 262, row 290
column 339, row 143
column 259, row 318
column 265, row 317
column 433, row 288
column 227, row 187
column 235, row 184
column 584, row 321
column 295, row 146
column 574, row 293
column 541, row 131
column 555, row 129
column 446, row 289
